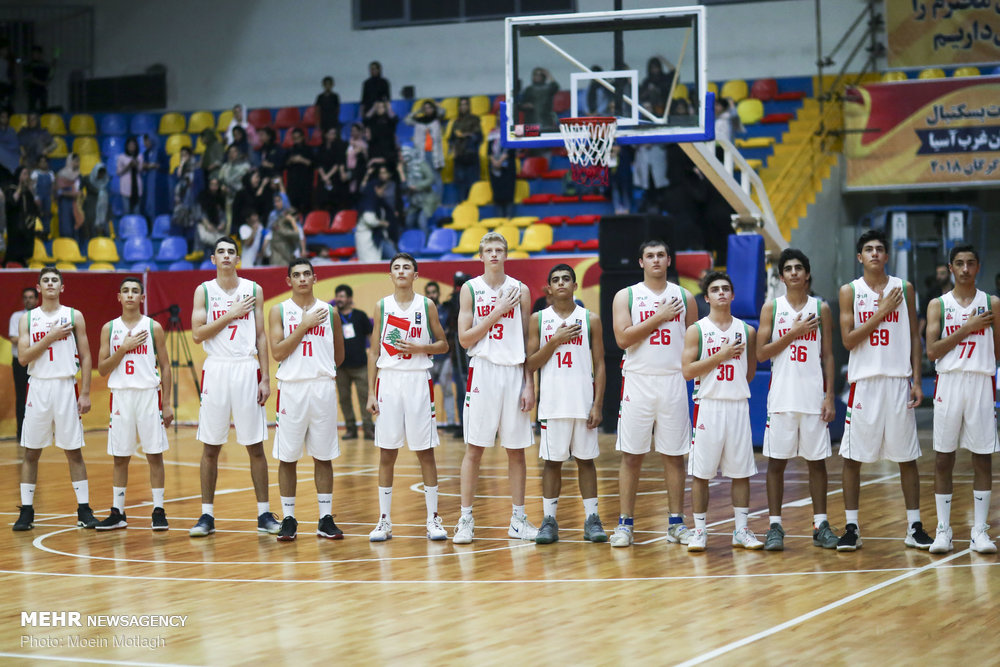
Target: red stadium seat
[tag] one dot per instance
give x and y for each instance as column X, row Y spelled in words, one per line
column 584, row 220
column 567, row 245
column 555, row 174
column 315, row 138
column 259, row 117
column 533, row 167
column 343, row 253
column 495, row 109
column 775, row 118
column 690, row 264
column 790, row 96
column 592, row 244
column 593, row 198
column 317, row 222
column 310, row 117
column 344, row 222
column 540, row 198
column 561, row 101
column 553, row 220
column 565, row 199
column 287, row 117
column 764, row 89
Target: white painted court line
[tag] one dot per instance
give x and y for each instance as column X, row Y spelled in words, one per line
column 732, row 646
column 35, row 657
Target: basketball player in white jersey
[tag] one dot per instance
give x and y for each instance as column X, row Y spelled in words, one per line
column 720, row 356
column 565, row 344
column 52, row 342
column 132, row 346
column 878, row 324
column 650, row 319
column 228, row 320
column 500, row 393
column 963, row 341
column 401, row 392
column 796, row 331
column 307, row 341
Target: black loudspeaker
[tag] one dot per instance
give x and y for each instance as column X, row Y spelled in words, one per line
column 619, row 238
column 612, row 388
column 611, row 283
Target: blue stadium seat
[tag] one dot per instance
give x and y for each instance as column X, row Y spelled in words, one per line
column 172, row 249
column 137, row 249
column 114, row 123
column 181, row 265
column 207, row 265
column 144, row 123
column 161, row 226
column 131, row 225
column 112, row 146
column 412, row 241
column 142, row 267
column 440, row 242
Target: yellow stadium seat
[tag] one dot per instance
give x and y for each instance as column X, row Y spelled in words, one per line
column 83, row 123
column 480, row 105
column 175, row 161
column 200, row 120
column 463, row 216
column 521, row 190
column 511, row 233
column 53, row 122
column 101, row 249
column 493, row 223
column 199, row 146
column 195, row 256
column 755, row 142
column 712, row 87
column 481, row 193
column 17, row 121
column 524, row 220
column 66, row 266
column 735, row 89
column 177, row 141
column 172, row 123
column 66, row 250
column 101, row 266
column 536, row 238
column 518, row 254
column 36, row 266
column 58, row 148
column 755, row 164
column 890, row 77
column 450, row 107
column 931, row 73
column 448, row 170
column 86, row 146
column 487, row 123
column 88, row 162
column 41, row 254
column 469, row 241
column 225, row 118
column 681, row 92
column 750, row 111
column 968, row 70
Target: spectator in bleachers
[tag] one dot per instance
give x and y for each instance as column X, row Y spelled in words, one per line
column 231, row 175
column 185, row 215
column 503, row 175
column 97, row 206
column 380, row 124
column 375, row 213
column 356, row 160
column 286, row 241
column 331, row 159
column 464, row 142
column 242, row 142
column 10, row 149
column 254, row 235
column 599, row 98
column 655, row 88
column 37, row 75
column 272, row 156
column 257, row 194
column 42, row 182
column 240, row 121
column 620, row 178
column 212, row 209
column 375, row 88
column 649, row 173
column 727, row 121
column 129, row 169
column 328, row 107
column 299, row 172
column 536, row 99
column 68, row 189
column 422, row 199
column 428, row 136
column 152, row 160
column 35, row 140
column 21, row 213
column 214, row 155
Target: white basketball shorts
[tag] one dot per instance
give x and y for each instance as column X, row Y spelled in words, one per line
column 878, row 424
column 654, row 409
column 406, row 410
column 791, row 434
column 964, row 414
column 136, row 418
column 564, row 437
column 492, row 406
column 229, row 387
column 722, row 440
column 51, row 408
column 306, row 420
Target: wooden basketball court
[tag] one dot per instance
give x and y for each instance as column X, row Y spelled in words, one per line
column 247, row 599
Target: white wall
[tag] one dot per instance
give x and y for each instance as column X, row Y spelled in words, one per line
column 271, row 53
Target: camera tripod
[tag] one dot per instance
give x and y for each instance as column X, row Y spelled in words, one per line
column 177, row 344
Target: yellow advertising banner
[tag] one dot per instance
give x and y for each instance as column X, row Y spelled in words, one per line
column 910, row 134
column 942, row 32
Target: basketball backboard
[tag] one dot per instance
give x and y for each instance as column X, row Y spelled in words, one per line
column 605, row 64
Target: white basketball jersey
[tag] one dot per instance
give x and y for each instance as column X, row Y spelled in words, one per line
column 797, row 371
column 566, row 390
column 239, row 339
column 409, row 324
column 313, row 357
column 137, row 369
column 886, row 353
column 728, row 380
column 974, row 354
column 61, row 359
column 504, row 343
column 661, row 353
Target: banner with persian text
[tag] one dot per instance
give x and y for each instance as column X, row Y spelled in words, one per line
column 909, row 134
column 942, row 32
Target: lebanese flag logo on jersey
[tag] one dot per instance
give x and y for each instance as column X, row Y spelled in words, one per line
column 396, row 329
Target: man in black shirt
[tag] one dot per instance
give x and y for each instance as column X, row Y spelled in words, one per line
column 328, row 107
column 37, row 73
column 374, row 88
column 357, row 336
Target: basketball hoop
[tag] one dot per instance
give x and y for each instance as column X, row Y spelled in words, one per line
column 588, row 145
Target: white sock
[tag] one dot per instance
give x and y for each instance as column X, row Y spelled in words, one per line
column 943, row 503
column 263, row 507
column 158, row 498
column 912, row 516
column 118, row 499
column 27, row 494
column 431, row 500
column 466, row 511
column 852, row 517
column 741, row 516
column 818, row 519
column 287, row 506
column 774, row 519
column 589, row 506
column 549, row 506
column 325, row 504
column 385, row 501
column 517, row 511
column 980, row 506
column 208, row 508
column 699, row 520
column 82, row 490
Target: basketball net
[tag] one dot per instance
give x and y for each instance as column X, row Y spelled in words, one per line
column 588, row 145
